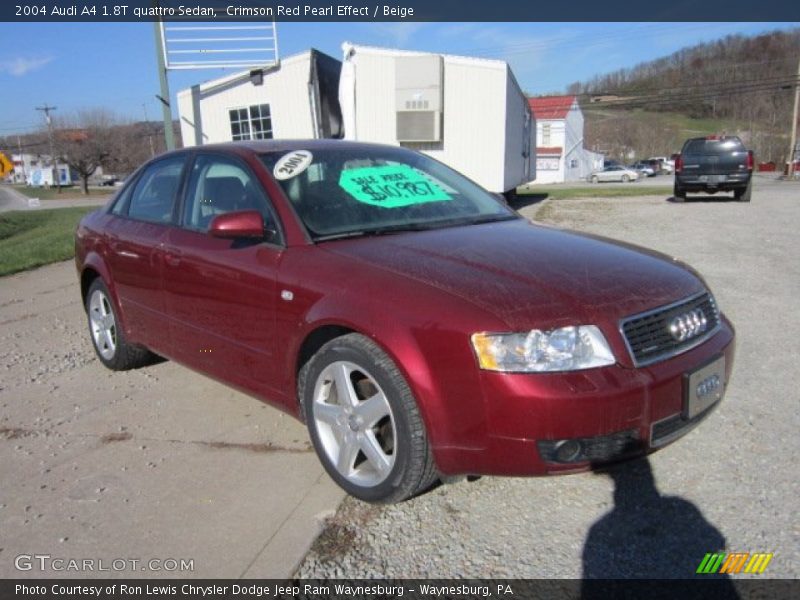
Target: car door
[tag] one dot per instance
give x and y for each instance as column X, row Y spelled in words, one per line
column 220, row 293
column 142, row 218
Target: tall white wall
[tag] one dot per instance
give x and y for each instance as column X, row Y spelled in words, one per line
column 573, row 144
column 474, row 114
column 520, row 143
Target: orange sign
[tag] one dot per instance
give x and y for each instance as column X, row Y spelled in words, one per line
column 5, row 165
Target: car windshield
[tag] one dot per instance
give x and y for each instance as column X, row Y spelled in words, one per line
column 354, row 191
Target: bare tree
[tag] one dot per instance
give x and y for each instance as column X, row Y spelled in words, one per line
column 86, row 141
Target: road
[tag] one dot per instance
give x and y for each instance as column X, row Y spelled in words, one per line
column 730, row 484
column 154, row 464
column 10, row 199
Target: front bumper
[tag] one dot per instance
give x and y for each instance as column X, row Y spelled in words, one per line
column 612, row 412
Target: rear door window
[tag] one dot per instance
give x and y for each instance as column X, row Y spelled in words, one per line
column 154, row 197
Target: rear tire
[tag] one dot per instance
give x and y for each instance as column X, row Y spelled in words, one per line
column 745, row 194
column 364, row 422
column 105, row 331
column 595, row 179
column 679, row 193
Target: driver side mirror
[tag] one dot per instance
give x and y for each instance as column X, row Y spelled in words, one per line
column 238, row 224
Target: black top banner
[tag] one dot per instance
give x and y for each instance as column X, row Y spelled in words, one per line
column 399, row 10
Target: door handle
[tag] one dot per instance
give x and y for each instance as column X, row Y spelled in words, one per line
column 172, row 257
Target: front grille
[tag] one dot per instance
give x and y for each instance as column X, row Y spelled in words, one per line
column 648, row 334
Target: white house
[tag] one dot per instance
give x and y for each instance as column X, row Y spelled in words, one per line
column 560, row 155
column 469, row 113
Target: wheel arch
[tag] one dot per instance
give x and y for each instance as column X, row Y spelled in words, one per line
column 414, row 368
column 94, row 267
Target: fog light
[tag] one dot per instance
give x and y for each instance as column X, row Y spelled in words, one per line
column 568, row 450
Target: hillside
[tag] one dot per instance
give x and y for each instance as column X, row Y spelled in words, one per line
column 737, row 85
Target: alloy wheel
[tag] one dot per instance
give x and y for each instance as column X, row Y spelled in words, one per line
column 355, row 423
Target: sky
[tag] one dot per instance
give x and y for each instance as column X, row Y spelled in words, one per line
column 76, row 66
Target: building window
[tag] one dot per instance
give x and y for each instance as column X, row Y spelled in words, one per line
column 240, row 124
column 254, row 123
column 545, row 134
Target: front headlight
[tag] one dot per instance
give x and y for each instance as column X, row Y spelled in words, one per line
column 564, row 349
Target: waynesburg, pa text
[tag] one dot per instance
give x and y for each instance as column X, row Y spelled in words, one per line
column 274, row 590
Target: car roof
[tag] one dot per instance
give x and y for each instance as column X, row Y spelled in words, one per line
column 263, row 146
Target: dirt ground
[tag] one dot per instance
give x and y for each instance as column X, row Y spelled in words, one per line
column 154, row 464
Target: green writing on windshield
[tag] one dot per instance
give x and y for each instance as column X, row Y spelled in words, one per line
column 391, row 186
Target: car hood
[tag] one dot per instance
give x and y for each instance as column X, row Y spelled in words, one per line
column 530, row 275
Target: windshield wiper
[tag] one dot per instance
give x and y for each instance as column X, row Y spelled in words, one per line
column 400, row 228
column 375, row 231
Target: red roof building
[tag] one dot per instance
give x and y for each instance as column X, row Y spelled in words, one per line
column 560, row 155
column 552, row 107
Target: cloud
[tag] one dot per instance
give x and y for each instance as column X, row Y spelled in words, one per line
column 396, row 34
column 22, row 65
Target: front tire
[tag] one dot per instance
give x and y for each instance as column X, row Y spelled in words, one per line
column 364, row 422
column 107, row 336
column 625, row 179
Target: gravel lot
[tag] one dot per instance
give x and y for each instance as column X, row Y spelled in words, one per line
column 730, row 483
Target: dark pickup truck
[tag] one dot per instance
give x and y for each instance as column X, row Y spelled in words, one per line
column 714, row 164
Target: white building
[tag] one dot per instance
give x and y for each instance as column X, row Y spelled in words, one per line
column 295, row 99
column 469, row 113
column 36, row 170
column 560, row 155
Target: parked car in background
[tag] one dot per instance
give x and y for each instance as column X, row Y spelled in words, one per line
column 419, row 326
column 714, row 164
column 665, row 165
column 643, row 168
column 614, row 173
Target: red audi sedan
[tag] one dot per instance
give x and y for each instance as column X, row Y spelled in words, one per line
column 418, row 325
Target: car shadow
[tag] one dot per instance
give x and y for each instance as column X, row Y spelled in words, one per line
column 647, row 535
column 520, row 201
column 702, row 199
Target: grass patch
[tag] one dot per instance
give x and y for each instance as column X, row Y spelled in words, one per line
column 30, row 239
column 67, row 193
column 596, row 191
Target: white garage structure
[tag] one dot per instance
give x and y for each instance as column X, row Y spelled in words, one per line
column 469, row 113
column 295, row 99
column 466, row 112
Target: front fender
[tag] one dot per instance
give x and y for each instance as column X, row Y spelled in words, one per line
column 436, row 360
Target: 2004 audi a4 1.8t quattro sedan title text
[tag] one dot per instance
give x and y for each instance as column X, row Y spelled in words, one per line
column 417, row 324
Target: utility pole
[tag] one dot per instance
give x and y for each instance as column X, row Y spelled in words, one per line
column 21, row 160
column 169, row 135
column 46, row 110
column 149, row 134
column 793, row 135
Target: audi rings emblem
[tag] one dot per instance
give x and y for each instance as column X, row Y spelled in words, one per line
column 688, row 325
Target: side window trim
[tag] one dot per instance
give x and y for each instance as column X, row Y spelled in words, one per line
column 188, row 169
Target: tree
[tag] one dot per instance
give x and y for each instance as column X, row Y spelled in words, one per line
column 87, row 141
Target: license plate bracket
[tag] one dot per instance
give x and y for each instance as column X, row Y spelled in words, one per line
column 703, row 387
